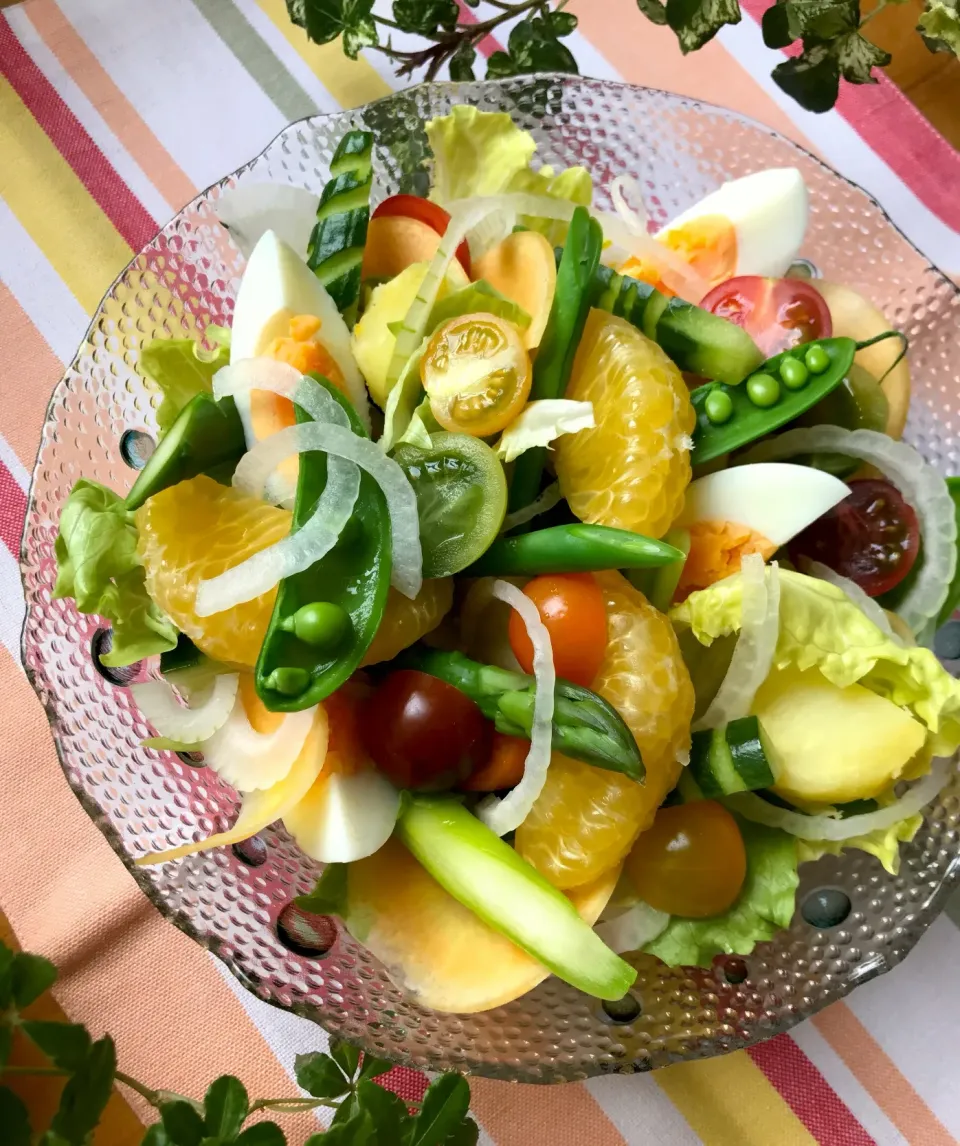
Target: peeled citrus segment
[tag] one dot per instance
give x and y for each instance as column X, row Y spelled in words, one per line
column 405, row 621
column 630, row 471
column 433, row 947
column 196, row 530
column 586, row 819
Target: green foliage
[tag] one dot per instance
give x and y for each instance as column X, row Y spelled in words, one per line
column 364, row 1113
column 830, row 32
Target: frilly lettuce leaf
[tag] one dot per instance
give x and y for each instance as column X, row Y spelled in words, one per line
column 884, row 843
column 402, row 402
column 477, row 298
column 541, row 422
column 99, row 568
column 182, row 369
column 821, row 627
column 764, row 907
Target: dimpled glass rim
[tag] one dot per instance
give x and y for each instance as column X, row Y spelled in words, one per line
column 144, row 800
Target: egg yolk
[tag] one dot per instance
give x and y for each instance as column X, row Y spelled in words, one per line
column 709, row 245
column 716, row 549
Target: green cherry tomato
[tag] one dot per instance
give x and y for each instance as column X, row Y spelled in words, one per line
column 718, row 407
column 321, row 624
column 817, row 359
column 461, row 499
column 763, row 390
column 794, row 374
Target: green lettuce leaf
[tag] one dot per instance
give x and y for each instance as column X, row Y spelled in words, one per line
column 821, row 627
column 99, row 568
column 764, row 907
column 884, row 843
column 541, row 422
column 182, row 369
column 478, row 297
column 402, row 402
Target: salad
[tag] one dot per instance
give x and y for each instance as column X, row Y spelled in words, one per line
column 560, row 583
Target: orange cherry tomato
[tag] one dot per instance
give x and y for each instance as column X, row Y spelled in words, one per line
column 477, row 374
column 413, row 207
column 691, row 862
column 572, row 609
column 503, row 769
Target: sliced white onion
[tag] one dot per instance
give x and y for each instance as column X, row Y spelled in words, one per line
column 506, row 815
column 865, row 604
column 636, row 218
column 919, row 483
column 158, row 702
column 635, row 240
column 826, row 827
column 483, row 636
column 251, row 761
column 407, row 573
column 550, row 497
column 502, row 214
column 756, row 644
column 249, row 210
column 345, row 816
column 632, row 928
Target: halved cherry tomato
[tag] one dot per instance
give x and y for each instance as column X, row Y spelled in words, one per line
column 504, row 768
column 691, row 862
column 572, row 609
column 871, row 537
column 477, row 374
column 776, row 313
column 423, row 732
column 430, row 213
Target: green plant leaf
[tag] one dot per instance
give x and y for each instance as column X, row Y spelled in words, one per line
column 940, row 26
column 358, row 36
column 534, row 47
column 14, row 1119
column 30, row 976
column 373, row 1067
column 51, row 1138
column 425, row 17
column 466, row 1134
column 697, row 21
column 812, row 79
column 183, row 1124
column 346, row 1056
column 461, row 63
column 329, row 896
column 261, row 1134
column 320, row 1076
column 156, row 1136
column 819, row 20
column 387, row 1111
column 563, row 23
column 358, row 1130
column 86, row 1093
column 858, row 57
column 225, row 1107
column 325, row 20
column 6, row 1042
column 68, row 1044
column 499, row 65
column 654, row 10
column 444, row 1108
column 6, row 976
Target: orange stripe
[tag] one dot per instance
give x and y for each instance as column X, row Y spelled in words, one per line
column 880, row 1078
column 117, row 111
column 541, row 1116
column 25, row 389
column 124, row 969
column 646, row 54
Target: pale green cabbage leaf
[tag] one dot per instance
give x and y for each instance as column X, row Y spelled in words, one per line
column 182, row 369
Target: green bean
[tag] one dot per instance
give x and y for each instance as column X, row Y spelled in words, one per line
column 571, row 549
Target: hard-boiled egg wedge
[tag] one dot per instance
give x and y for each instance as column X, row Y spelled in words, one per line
column 351, row 809
column 749, row 226
column 749, row 509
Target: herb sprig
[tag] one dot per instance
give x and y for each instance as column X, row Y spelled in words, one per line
column 343, row 1080
column 829, row 32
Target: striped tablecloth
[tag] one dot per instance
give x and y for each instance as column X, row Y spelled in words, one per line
column 112, row 114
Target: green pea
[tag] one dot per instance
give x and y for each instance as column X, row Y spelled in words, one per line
column 763, row 390
column 793, row 373
column 718, row 407
column 288, row 681
column 321, row 624
column 817, row 359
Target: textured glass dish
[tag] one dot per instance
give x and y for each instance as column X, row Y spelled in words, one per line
column 230, row 900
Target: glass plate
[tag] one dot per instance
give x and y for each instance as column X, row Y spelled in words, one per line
column 232, row 900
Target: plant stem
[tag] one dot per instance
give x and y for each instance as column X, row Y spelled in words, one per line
column 145, row 1092
column 293, row 1105
column 874, row 12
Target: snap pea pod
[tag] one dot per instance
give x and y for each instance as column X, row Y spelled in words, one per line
column 206, row 435
column 325, row 618
column 576, row 290
column 953, row 592
column 572, row 549
column 585, row 726
column 729, row 417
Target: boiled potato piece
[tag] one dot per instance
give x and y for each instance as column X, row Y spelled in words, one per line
column 523, row 268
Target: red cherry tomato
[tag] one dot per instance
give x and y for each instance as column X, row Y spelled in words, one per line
column 503, row 769
column 572, row 609
column 423, row 732
column 430, row 213
column 871, row 537
column 776, row 313
column 691, row 862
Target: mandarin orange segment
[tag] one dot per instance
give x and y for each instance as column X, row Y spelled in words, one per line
column 405, row 621
column 199, row 529
column 630, row 471
column 586, row 819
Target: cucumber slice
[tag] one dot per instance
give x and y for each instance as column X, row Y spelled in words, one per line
column 735, row 758
column 207, row 434
column 486, row 875
column 656, row 304
column 706, row 344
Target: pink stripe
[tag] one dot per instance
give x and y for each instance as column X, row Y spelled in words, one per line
column 808, row 1094
column 67, row 134
column 489, row 44
column 406, row 1083
column 13, row 510
column 892, row 128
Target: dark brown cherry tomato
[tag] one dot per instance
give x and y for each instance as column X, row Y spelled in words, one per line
column 691, row 862
column 777, row 313
column 413, row 207
column 871, row 537
column 423, row 732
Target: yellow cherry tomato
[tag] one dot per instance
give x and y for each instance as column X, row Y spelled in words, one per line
column 477, row 374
